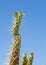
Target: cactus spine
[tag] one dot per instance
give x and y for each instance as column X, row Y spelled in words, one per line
column 14, row 58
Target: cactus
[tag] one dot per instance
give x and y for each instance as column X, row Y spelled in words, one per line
column 30, row 61
column 14, row 58
column 25, row 59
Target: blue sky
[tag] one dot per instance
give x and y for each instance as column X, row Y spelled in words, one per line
column 33, row 28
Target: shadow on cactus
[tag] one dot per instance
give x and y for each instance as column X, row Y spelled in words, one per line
column 14, row 58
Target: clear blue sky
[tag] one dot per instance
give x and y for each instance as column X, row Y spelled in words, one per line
column 33, row 28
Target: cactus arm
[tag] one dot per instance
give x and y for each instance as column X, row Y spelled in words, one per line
column 25, row 60
column 31, row 59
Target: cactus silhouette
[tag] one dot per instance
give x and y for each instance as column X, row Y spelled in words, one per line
column 14, row 58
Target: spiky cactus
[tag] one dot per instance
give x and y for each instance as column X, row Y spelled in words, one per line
column 14, row 58
column 25, row 59
column 30, row 61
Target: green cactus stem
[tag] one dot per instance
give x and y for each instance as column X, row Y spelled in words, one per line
column 14, row 59
column 25, row 59
column 30, row 61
